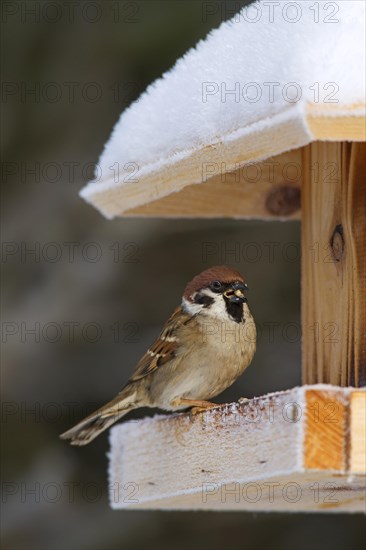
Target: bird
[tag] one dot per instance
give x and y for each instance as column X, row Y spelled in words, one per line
column 206, row 344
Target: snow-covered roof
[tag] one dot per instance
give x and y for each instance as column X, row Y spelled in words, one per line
column 275, row 77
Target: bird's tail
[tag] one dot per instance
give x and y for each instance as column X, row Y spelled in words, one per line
column 88, row 429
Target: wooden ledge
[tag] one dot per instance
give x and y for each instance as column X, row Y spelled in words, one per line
column 297, row 450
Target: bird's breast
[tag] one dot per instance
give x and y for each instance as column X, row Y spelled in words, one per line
column 215, row 354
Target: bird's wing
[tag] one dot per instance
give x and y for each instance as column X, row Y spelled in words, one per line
column 164, row 348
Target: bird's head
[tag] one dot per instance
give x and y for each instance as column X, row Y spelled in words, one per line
column 216, row 292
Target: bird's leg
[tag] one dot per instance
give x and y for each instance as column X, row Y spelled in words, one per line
column 197, row 404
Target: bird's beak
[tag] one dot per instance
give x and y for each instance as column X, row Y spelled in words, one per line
column 236, row 293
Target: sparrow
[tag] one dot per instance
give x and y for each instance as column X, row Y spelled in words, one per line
column 205, row 345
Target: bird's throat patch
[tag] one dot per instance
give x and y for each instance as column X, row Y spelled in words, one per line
column 234, row 310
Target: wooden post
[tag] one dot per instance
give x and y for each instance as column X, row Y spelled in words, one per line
column 333, row 264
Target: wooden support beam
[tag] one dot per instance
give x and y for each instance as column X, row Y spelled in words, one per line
column 298, row 450
column 333, row 264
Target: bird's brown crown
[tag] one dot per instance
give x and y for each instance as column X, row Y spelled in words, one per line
column 220, row 273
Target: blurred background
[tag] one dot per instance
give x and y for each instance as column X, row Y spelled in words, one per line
column 83, row 297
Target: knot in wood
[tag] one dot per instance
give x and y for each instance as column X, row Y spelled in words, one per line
column 283, row 200
column 337, row 243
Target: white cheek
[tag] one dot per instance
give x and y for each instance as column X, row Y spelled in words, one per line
column 191, row 308
column 217, row 309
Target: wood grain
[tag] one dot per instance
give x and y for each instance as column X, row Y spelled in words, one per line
column 266, row 190
column 358, row 433
column 333, row 264
column 326, row 430
column 332, row 122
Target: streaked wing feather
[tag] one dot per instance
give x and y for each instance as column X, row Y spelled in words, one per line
column 163, row 349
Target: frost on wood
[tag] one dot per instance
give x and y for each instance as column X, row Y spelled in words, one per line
column 283, row 451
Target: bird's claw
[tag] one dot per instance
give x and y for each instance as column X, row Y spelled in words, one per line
column 197, row 410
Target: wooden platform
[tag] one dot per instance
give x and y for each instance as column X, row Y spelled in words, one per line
column 297, row 450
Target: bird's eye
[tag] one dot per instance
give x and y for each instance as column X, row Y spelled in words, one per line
column 216, row 285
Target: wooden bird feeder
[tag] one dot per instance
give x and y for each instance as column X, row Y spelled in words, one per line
column 303, row 449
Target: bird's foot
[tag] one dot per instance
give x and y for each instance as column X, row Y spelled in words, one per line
column 197, row 410
column 197, row 405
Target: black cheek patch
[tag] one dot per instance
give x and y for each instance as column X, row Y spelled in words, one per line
column 203, row 300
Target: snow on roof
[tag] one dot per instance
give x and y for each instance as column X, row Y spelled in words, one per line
column 255, row 87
